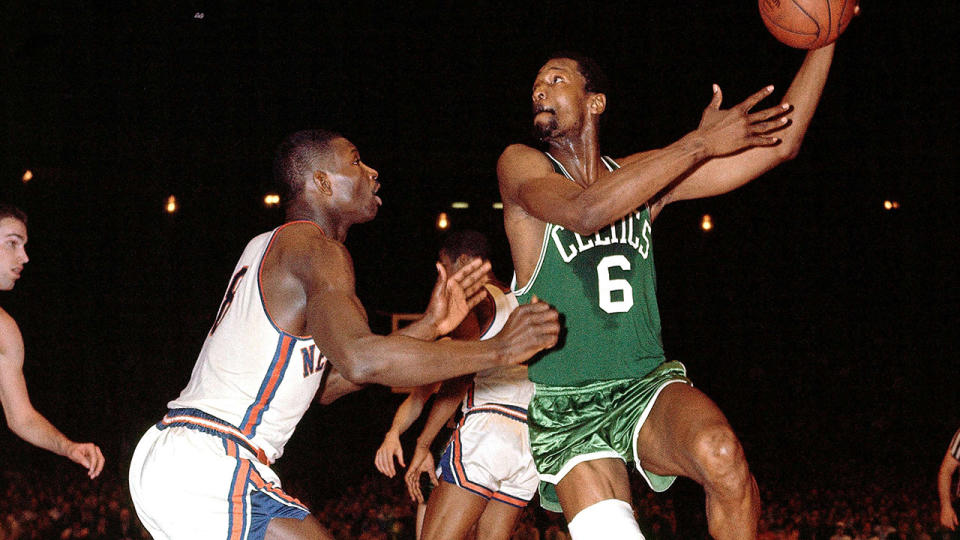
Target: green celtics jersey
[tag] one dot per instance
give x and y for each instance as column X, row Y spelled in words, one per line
column 604, row 286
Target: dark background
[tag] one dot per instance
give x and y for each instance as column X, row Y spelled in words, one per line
column 823, row 325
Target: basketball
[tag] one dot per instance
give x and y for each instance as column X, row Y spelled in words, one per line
column 807, row 24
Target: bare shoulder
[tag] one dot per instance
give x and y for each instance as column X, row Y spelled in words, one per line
column 305, row 253
column 521, row 162
column 10, row 338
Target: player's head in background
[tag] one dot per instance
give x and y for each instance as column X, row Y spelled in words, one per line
column 569, row 96
column 460, row 247
column 13, row 241
column 321, row 171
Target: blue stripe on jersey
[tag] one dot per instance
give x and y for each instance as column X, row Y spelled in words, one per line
column 271, row 382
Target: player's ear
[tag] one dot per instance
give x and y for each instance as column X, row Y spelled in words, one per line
column 598, row 103
column 322, row 182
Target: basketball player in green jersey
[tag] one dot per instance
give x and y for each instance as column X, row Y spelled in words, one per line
column 580, row 237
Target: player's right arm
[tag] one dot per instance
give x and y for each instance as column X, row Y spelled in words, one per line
column 528, row 180
column 335, row 318
column 407, row 412
column 22, row 418
column 948, row 516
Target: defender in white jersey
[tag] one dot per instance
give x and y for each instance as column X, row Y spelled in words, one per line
column 487, row 470
column 289, row 325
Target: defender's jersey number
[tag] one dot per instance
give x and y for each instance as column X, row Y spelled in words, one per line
column 607, row 286
column 228, row 298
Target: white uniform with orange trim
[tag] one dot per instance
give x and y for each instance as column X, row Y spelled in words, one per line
column 489, row 453
column 203, row 471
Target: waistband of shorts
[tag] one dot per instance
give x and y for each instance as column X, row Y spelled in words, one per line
column 510, row 411
column 207, row 423
column 671, row 368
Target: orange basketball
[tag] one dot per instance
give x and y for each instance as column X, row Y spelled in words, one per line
column 807, row 24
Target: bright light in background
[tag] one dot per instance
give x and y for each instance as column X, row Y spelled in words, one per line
column 171, row 205
column 27, row 176
column 460, row 205
column 890, row 205
column 706, row 223
column 271, row 199
column 498, row 206
column 442, row 221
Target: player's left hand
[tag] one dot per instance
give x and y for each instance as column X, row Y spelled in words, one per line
column 452, row 298
column 88, row 455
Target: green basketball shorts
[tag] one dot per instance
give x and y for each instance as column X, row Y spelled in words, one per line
column 574, row 424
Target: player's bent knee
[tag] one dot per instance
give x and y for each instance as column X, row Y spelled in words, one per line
column 611, row 519
column 721, row 458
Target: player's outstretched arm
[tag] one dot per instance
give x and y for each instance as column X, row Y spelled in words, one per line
column 728, row 172
column 528, row 181
column 22, row 418
column 337, row 321
column 406, row 414
column 948, row 516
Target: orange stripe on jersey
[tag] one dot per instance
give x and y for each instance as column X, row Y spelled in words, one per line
column 279, row 365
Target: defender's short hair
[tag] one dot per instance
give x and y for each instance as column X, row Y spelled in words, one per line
column 8, row 210
column 466, row 242
column 295, row 156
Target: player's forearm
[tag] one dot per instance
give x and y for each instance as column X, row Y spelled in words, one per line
column 804, row 95
column 407, row 412
column 636, row 183
column 38, row 431
column 403, row 361
column 947, row 467
column 441, row 411
column 423, row 328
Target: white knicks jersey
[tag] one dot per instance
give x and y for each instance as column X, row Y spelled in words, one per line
column 507, row 385
column 250, row 373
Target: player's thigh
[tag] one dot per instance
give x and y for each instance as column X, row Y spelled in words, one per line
column 590, row 482
column 451, row 512
column 497, row 521
column 680, row 419
column 294, row 529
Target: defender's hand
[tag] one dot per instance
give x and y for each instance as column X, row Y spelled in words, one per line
column 530, row 329
column 421, row 462
column 390, row 449
column 452, row 298
column 88, row 455
column 948, row 518
column 725, row 131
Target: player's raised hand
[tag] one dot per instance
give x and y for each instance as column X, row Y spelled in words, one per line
column 530, row 329
column 390, row 449
column 88, row 455
column 726, row 131
column 421, row 462
column 454, row 296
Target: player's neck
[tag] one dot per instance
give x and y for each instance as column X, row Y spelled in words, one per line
column 579, row 155
column 331, row 227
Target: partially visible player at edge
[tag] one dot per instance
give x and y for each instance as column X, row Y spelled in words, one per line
column 22, row 418
column 604, row 397
column 948, row 516
column 289, row 323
